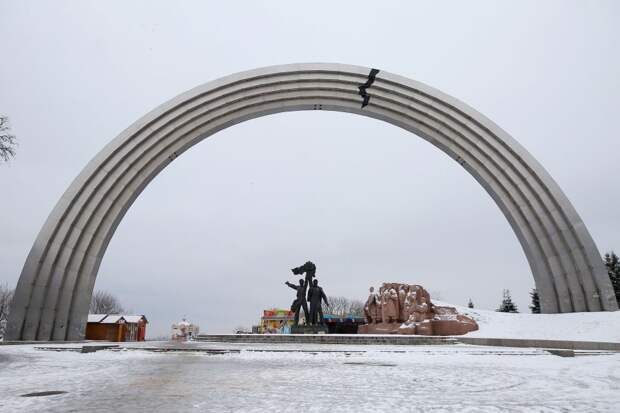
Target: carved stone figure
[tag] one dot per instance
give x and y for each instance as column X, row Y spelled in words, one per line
column 420, row 310
column 300, row 301
column 315, row 297
column 389, row 305
column 407, row 309
column 410, row 302
column 402, row 294
column 384, row 293
column 371, row 308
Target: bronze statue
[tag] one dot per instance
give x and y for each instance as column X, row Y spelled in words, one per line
column 315, row 296
column 300, row 301
column 310, row 269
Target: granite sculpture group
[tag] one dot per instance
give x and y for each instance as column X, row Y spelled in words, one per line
column 407, row 309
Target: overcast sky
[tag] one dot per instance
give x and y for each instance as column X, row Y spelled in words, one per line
column 214, row 236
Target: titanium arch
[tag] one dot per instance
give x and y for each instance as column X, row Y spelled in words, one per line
column 54, row 290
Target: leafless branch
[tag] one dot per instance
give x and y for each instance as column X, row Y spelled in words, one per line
column 104, row 302
column 342, row 306
column 6, row 296
column 8, row 142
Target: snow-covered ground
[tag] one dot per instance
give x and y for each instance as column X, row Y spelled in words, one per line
column 301, row 378
column 329, row 378
column 599, row 326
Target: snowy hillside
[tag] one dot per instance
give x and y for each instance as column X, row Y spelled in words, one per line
column 600, row 326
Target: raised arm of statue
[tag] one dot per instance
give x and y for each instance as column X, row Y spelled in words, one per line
column 293, row 286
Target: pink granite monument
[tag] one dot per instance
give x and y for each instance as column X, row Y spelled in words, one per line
column 407, row 309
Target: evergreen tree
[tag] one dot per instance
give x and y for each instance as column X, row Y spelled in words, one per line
column 470, row 304
column 507, row 306
column 612, row 262
column 535, row 307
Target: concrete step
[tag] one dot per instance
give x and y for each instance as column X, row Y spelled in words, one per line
column 326, row 339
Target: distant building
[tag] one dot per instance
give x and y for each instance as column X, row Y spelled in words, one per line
column 184, row 330
column 116, row 327
column 275, row 321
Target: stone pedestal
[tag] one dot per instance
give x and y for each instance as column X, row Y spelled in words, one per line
column 309, row 329
column 378, row 328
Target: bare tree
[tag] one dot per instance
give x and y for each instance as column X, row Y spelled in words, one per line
column 337, row 305
column 104, row 302
column 7, row 140
column 342, row 307
column 356, row 309
column 6, row 296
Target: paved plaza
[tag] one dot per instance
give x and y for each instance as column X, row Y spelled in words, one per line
column 309, row 378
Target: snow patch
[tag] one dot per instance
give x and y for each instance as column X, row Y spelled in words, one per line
column 594, row 326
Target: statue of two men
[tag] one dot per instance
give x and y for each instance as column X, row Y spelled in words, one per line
column 314, row 293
